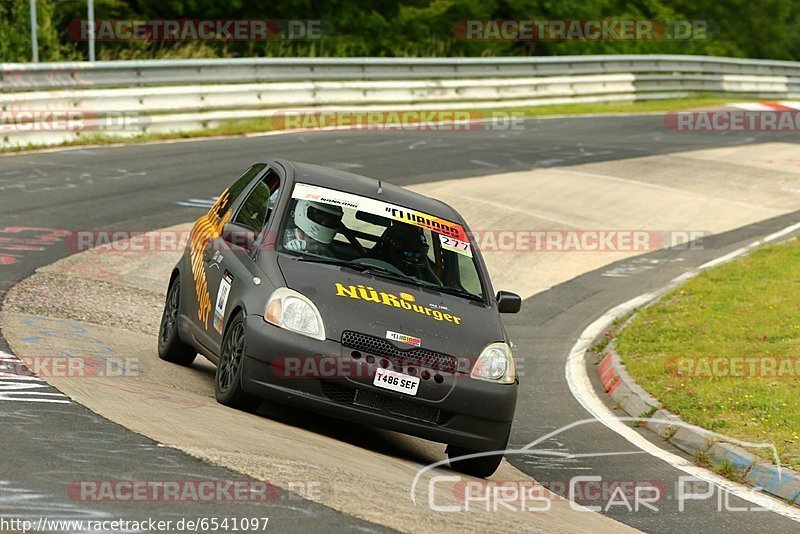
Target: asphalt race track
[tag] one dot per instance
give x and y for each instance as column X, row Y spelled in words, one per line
column 159, row 185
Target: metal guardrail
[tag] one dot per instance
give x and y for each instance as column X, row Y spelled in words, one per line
column 47, row 76
column 169, row 95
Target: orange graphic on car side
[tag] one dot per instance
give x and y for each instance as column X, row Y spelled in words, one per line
column 205, row 230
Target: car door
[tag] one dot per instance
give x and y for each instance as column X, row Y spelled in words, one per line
column 206, row 250
column 232, row 270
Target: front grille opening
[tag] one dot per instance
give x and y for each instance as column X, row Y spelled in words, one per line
column 369, row 399
column 420, row 412
column 338, row 393
column 401, row 359
column 373, row 400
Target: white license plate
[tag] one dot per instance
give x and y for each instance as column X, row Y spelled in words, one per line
column 398, row 382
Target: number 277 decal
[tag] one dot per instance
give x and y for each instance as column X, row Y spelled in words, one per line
column 451, row 243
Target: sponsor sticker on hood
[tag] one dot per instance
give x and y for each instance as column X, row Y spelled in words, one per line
column 403, row 301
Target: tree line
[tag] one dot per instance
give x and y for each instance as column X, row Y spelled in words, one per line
column 408, row 28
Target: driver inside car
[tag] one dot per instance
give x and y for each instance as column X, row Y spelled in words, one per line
column 315, row 226
column 405, row 247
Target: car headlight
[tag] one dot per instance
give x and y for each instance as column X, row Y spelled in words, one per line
column 293, row 311
column 495, row 364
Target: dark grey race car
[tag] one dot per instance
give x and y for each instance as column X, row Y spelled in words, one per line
column 349, row 297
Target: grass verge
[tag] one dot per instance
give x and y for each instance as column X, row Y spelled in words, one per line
column 722, row 351
column 236, row 128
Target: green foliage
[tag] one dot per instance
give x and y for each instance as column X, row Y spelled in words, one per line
column 765, row 29
column 15, row 32
column 744, row 309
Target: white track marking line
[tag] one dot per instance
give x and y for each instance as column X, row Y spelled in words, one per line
column 582, row 389
column 9, row 394
column 483, row 163
column 726, row 258
column 739, row 251
column 23, row 378
column 38, row 401
column 780, row 233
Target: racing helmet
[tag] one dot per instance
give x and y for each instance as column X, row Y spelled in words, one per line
column 318, row 220
column 408, row 246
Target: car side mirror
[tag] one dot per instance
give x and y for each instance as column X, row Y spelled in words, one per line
column 508, row 302
column 239, row 235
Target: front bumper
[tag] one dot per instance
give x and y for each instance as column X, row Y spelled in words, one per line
column 459, row 410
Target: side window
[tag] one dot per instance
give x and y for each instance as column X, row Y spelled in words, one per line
column 469, row 275
column 257, row 208
column 429, row 237
column 240, row 185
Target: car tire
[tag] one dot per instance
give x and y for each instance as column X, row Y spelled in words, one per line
column 480, row 466
column 228, row 380
column 170, row 346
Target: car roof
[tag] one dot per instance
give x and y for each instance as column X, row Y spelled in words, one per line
column 367, row 187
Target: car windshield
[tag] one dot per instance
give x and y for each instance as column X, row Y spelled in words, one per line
column 392, row 241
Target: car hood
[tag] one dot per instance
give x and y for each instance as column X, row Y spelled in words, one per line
column 361, row 302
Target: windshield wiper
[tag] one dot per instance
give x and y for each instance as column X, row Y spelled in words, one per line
column 360, row 267
column 327, row 261
column 387, row 273
column 424, row 283
column 451, row 291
